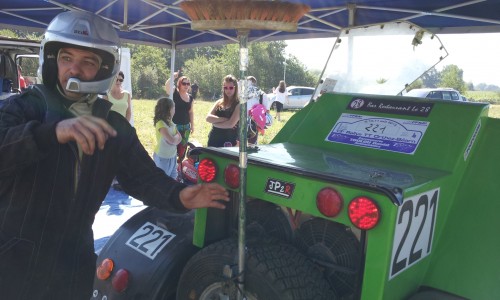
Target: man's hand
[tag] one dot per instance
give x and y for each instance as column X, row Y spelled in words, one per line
column 204, row 195
column 85, row 131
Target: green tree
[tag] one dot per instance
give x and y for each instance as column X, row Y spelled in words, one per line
column 149, row 71
column 208, row 74
column 8, row 33
column 431, row 78
column 417, row 84
column 452, row 77
column 470, row 86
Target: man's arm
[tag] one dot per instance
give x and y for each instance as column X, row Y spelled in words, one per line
column 24, row 139
column 141, row 179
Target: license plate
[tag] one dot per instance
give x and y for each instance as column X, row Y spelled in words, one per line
column 149, row 240
column 279, row 188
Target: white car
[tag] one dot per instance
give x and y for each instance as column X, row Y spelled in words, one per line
column 298, row 96
column 437, row 93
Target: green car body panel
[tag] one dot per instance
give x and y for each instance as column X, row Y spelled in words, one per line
column 437, row 190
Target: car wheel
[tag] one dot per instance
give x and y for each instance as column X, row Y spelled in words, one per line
column 273, row 271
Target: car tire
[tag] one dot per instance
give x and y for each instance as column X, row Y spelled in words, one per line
column 272, row 271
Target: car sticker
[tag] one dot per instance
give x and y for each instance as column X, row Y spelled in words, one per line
column 389, row 134
column 414, row 232
column 407, row 108
column 279, row 188
column 472, row 140
column 149, row 240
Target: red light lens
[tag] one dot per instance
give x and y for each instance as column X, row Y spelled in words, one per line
column 207, row 171
column 364, row 213
column 232, row 176
column 105, row 268
column 120, row 280
column 329, row 202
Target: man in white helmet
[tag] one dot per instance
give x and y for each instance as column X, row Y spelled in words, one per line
column 60, row 148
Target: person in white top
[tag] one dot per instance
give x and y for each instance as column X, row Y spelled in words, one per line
column 281, row 97
column 120, row 98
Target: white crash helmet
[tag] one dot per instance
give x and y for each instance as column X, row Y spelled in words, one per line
column 87, row 31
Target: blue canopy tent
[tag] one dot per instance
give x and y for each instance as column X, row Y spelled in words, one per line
column 163, row 23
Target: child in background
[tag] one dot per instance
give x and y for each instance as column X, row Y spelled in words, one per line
column 167, row 137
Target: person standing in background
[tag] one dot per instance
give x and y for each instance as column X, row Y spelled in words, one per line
column 184, row 115
column 225, row 115
column 120, row 98
column 194, row 89
column 121, row 101
column 281, row 97
column 167, row 137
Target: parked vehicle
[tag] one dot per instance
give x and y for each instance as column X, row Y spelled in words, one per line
column 14, row 53
column 437, row 93
column 298, row 97
column 361, row 195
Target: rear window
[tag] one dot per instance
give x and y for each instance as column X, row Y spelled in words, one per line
column 446, row 95
column 435, row 95
column 307, row 92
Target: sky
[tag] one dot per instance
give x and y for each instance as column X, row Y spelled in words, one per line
column 478, row 55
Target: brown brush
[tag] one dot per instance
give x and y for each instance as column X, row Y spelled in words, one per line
column 237, row 14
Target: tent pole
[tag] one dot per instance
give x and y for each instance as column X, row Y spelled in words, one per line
column 172, row 63
column 243, row 39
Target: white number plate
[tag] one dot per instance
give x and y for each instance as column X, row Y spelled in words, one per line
column 149, row 240
column 414, row 231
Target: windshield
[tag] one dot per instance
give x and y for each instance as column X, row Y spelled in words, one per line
column 380, row 59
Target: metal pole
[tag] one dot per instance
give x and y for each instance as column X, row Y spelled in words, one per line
column 172, row 65
column 284, row 70
column 243, row 39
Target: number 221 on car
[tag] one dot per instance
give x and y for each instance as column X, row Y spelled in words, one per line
column 414, row 232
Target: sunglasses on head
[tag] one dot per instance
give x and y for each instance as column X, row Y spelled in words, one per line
column 186, row 83
column 229, row 87
column 119, row 79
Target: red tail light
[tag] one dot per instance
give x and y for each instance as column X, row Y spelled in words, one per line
column 364, row 213
column 105, row 268
column 232, row 176
column 207, row 170
column 329, row 202
column 120, row 280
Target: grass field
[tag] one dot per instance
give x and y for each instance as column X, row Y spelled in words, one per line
column 143, row 111
column 483, row 96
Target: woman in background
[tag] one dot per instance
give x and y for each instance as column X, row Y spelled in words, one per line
column 225, row 115
column 120, row 98
column 183, row 111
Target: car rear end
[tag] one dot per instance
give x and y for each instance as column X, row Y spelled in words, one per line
column 385, row 169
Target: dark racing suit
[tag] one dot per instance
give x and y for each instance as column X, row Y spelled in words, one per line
column 49, row 196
